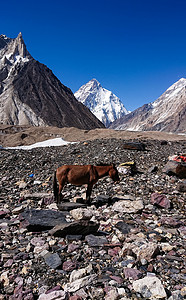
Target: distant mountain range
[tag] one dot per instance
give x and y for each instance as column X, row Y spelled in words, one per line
column 30, row 94
column 106, row 106
column 167, row 113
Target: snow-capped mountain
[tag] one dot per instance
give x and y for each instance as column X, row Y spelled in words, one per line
column 106, row 106
column 30, row 94
column 167, row 113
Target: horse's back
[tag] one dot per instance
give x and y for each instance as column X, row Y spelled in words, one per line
column 76, row 174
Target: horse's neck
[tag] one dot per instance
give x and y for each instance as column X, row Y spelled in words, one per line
column 102, row 171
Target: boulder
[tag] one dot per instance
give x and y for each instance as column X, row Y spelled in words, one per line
column 38, row 220
column 82, row 227
column 160, row 200
column 67, row 206
column 134, row 146
column 150, row 287
column 81, row 214
column 79, row 283
column 127, row 204
column 175, row 168
column 145, row 250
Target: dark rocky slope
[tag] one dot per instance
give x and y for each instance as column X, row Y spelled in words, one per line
column 38, row 88
column 30, row 94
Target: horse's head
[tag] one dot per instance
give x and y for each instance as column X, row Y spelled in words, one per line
column 113, row 173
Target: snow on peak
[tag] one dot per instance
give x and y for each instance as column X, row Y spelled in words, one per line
column 13, row 53
column 94, row 83
column 3, row 36
column 171, row 93
column 106, row 106
column 178, row 84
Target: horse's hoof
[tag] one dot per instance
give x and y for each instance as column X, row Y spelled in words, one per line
column 88, row 203
column 80, row 200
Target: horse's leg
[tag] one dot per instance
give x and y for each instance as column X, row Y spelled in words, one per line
column 88, row 193
column 61, row 186
column 93, row 178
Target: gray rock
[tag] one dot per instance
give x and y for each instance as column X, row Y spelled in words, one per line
column 68, row 206
column 176, row 295
column 128, row 206
column 37, row 195
column 123, row 227
column 82, row 227
column 81, row 214
column 38, row 220
column 152, row 169
column 96, row 241
column 52, row 260
column 79, row 283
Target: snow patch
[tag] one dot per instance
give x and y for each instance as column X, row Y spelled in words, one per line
column 47, row 143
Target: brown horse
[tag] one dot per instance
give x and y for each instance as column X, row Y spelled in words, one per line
column 82, row 174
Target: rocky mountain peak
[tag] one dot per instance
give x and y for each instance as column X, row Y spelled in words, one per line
column 30, row 94
column 106, row 106
column 94, row 83
column 13, row 49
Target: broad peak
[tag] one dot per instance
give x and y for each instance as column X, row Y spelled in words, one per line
column 106, row 106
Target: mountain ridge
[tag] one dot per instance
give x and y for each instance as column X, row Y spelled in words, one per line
column 167, row 113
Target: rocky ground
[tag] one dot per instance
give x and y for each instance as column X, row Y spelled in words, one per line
column 129, row 244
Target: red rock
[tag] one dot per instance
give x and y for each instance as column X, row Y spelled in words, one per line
column 132, row 273
column 72, row 247
column 75, row 297
column 150, row 268
column 160, row 200
column 56, row 288
column 69, row 265
column 8, row 263
column 37, row 241
column 175, row 168
column 114, row 251
column 117, row 279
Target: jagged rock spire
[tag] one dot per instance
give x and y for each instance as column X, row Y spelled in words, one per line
column 31, row 94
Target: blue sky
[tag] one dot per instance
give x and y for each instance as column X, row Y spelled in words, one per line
column 135, row 48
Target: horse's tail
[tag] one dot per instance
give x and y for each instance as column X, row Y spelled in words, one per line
column 55, row 187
